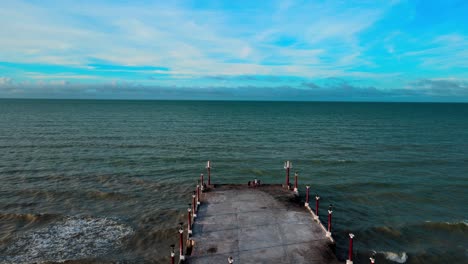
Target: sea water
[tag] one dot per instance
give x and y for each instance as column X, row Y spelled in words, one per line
column 103, row 181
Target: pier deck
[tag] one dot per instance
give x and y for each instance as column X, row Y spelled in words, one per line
column 257, row 225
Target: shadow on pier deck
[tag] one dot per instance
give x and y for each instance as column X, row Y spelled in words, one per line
column 266, row 224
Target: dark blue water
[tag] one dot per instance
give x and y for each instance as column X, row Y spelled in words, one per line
column 123, row 171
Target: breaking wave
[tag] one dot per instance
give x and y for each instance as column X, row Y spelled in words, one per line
column 396, row 257
column 448, row 226
column 69, row 239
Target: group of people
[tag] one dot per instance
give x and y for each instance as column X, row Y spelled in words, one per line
column 254, row 183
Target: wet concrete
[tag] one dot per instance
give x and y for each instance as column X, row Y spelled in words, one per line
column 257, row 225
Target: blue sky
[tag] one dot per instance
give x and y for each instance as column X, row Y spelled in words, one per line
column 239, row 50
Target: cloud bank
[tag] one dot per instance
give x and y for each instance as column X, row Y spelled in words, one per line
column 330, row 90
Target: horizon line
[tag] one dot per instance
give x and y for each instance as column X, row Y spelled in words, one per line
column 235, row 100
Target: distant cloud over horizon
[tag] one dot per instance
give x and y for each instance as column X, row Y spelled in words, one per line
column 241, row 50
column 340, row 90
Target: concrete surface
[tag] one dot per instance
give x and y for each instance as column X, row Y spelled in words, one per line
column 256, row 225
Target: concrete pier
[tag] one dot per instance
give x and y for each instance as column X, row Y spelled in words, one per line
column 263, row 224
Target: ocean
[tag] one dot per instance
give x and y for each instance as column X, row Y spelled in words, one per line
column 117, row 176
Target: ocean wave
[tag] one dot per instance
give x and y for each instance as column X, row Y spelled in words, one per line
column 333, row 161
column 455, row 227
column 107, row 195
column 388, row 230
column 448, row 226
column 27, row 217
column 68, row 239
column 462, row 222
column 395, row 257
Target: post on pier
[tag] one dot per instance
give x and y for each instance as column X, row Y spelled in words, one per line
column 194, row 205
column 202, row 182
column 287, row 167
column 208, row 168
column 296, row 191
column 189, row 220
column 172, row 254
column 181, row 242
column 317, row 198
column 350, row 252
column 330, row 211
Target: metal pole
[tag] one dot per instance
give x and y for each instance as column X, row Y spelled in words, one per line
column 329, row 220
column 181, row 241
column 295, row 181
column 307, row 195
column 208, row 167
column 202, row 181
column 194, row 205
column 172, row 254
column 350, row 252
column 189, row 226
column 198, row 194
column 287, row 166
column 317, row 198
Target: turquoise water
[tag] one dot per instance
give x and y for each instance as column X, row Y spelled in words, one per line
column 123, row 171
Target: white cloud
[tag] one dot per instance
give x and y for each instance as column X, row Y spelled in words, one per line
column 442, row 52
column 188, row 42
column 5, row 80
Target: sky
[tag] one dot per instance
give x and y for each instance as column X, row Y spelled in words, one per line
column 235, row 50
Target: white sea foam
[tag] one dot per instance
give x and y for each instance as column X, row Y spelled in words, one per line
column 461, row 222
column 396, row 257
column 71, row 238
